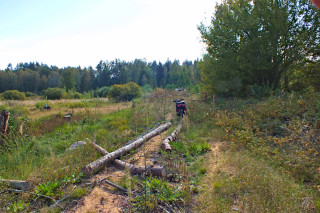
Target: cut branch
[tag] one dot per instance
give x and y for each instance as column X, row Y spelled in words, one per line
column 96, row 165
column 172, row 137
column 159, row 171
column 115, row 185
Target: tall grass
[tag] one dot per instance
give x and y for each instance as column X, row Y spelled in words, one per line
column 41, row 156
column 272, row 160
column 247, row 184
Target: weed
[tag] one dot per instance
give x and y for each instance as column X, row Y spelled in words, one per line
column 78, row 192
column 17, row 206
column 156, row 192
column 49, row 189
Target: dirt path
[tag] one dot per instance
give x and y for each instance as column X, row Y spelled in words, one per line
column 215, row 163
column 106, row 199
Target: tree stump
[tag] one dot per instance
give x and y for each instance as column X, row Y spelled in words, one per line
column 4, row 118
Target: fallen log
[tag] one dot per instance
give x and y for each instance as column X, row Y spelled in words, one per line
column 96, row 165
column 159, row 171
column 4, row 118
column 172, row 137
column 17, row 184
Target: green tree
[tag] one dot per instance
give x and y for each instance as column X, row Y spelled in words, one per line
column 254, row 42
column 68, row 80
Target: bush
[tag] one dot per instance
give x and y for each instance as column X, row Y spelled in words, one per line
column 53, row 93
column 76, row 95
column 30, row 94
column 125, row 92
column 13, row 95
column 102, row 92
column 147, row 88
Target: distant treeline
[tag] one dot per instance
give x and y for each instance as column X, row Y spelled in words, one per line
column 36, row 77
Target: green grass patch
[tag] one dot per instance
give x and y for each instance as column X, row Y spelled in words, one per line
column 251, row 185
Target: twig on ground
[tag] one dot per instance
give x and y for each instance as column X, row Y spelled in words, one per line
column 115, row 185
column 163, row 209
column 59, row 201
column 168, row 206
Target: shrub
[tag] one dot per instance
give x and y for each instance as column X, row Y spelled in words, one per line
column 53, row 93
column 147, row 88
column 30, row 94
column 125, row 92
column 102, row 92
column 76, row 95
column 13, row 95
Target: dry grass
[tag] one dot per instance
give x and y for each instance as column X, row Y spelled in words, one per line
column 36, row 114
column 59, row 107
column 32, row 102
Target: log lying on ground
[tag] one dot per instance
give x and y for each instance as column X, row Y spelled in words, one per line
column 172, row 137
column 4, row 118
column 96, row 165
column 159, row 171
column 17, row 184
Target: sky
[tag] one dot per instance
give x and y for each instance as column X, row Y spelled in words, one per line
column 83, row 32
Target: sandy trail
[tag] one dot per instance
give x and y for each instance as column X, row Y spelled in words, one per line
column 105, row 198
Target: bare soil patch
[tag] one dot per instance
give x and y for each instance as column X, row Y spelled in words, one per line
column 103, row 198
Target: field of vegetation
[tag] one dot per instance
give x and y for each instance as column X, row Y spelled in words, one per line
column 250, row 141
column 35, row 149
column 245, row 155
column 268, row 160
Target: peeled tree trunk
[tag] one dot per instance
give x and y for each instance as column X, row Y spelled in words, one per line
column 96, row 165
column 172, row 137
column 159, row 171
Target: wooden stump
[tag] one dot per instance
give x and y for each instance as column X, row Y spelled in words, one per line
column 4, row 118
column 18, row 184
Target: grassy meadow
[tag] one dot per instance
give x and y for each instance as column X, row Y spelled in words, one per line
column 240, row 155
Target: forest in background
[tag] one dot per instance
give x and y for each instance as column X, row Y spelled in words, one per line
column 36, row 77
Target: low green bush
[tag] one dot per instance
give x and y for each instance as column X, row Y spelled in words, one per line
column 31, row 94
column 125, row 92
column 77, row 95
column 13, row 95
column 53, row 93
column 102, row 92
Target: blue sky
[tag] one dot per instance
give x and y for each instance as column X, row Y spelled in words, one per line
column 83, row 32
